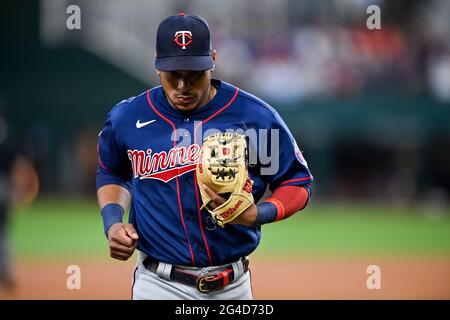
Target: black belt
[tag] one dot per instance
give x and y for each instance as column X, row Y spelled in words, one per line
column 205, row 283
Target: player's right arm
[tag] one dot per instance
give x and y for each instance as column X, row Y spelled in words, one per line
column 113, row 190
column 122, row 237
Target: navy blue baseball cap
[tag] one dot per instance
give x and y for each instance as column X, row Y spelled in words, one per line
column 183, row 42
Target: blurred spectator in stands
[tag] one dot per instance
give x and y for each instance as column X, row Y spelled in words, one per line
column 18, row 186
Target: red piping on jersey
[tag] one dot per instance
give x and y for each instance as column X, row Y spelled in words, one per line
column 176, row 179
column 217, row 112
column 100, row 161
column 134, row 281
column 200, row 220
column 298, row 179
column 195, row 179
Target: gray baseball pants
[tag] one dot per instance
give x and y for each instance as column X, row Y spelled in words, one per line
column 148, row 285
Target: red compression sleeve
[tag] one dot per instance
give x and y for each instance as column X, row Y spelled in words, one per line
column 288, row 200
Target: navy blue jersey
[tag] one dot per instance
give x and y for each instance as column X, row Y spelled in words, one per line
column 151, row 148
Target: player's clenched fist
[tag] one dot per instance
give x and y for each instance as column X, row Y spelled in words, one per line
column 122, row 239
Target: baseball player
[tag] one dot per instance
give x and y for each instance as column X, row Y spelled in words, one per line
column 148, row 150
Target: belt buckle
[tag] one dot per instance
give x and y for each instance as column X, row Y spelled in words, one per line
column 201, row 283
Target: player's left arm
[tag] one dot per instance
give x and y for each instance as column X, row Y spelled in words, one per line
column 283, row 203
column 290, row 183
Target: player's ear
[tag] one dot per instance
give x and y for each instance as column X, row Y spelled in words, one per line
column 157, row 71
column 213, row 56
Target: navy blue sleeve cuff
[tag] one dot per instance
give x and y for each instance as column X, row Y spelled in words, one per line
column 266, row 213
column 308, row 188
column 104, row 178
column 111, row 213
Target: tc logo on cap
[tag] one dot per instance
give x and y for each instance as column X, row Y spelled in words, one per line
column 183, row 38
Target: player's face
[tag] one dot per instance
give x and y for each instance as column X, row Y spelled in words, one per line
column 186, row 90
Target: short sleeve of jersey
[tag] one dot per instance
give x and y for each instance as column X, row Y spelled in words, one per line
column 113, row 164
column 287, row 167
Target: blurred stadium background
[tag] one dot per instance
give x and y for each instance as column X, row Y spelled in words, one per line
column 369, row 108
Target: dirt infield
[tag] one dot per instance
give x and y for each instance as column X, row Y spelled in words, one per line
column 308, row 278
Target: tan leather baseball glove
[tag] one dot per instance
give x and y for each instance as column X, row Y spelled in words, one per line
column 223, row 168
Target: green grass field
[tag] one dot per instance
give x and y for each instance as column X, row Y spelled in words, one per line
column 55, row 228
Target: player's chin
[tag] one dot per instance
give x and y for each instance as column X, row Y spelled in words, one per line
column 186, row 105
